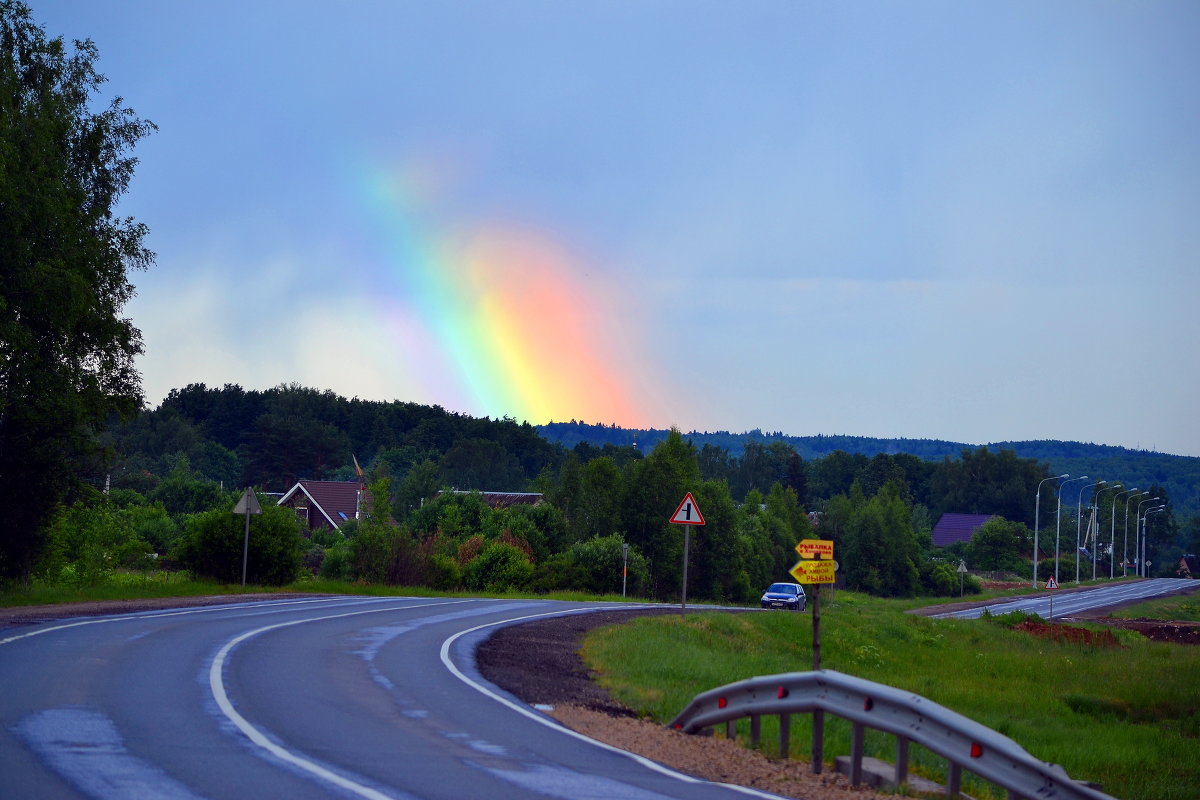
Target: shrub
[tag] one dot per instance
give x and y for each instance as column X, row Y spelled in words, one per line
column 212, row 546
column 444, row 574
column 498, row 568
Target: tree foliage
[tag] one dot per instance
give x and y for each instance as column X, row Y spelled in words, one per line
column 66, row 354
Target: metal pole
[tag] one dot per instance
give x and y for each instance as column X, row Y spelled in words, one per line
column 816, row 615
column 1058, row 522
column 687, row 529
column 1037, row 518
column 1079, row 523
column 1125, row 549
column 624, row 566
column 1146, row 535
column 1112, row 543
column 245, row 546
column 1139, row 555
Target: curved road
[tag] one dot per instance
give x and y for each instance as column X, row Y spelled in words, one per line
column 299, row 698
column 1061, row 603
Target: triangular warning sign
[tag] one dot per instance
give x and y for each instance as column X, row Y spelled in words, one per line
column 1051, row 583
column 688, row 512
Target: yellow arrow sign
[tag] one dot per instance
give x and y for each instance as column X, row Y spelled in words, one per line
column 814, row 571
column 815, row 548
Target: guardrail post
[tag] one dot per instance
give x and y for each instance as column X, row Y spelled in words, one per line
column 755, row 729
column 785, row 734
column 953, row 780
column 901, row 760
column 731, row 730
column 818, row 740
column 856, row 753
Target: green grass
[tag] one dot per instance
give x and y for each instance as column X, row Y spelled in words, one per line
column 1178, row 608
column 120, row 586
column 135, row 585
column 1127, row 717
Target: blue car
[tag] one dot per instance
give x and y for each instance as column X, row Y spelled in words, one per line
column 785, row 595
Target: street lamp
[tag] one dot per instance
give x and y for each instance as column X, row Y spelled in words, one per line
column 1079, row 523
column 1145, row 533
column 1112, row 534
column 1125, row 550
column 1058, row 521
column 1136, row 527
column 1037, row 507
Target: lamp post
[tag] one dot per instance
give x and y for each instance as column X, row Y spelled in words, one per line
column 1137, row 521
column 1058, row 521
column 1125, row 550
column 1112, row 534
column 1079, row 523
column 1037, row 508
column 1145, row 535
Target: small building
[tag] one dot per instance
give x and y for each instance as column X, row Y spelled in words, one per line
column 953, row 528
column 324, row 504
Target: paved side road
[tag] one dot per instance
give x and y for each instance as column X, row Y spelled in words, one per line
column 300, row 698
column 1061, row 603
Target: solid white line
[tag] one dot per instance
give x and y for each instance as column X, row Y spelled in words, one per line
column 180, row 613
column 217, row 685
column 526, row 711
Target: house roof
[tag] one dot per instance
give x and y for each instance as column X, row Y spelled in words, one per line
column 505, row 499
column 953, row 528
column 336, row 500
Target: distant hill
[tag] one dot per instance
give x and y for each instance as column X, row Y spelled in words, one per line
column 1179, row 474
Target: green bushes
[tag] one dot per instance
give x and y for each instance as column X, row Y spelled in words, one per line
column 212, row 546
column 499, row 568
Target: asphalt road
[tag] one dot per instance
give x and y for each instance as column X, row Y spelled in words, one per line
column 302, row 698
column 1065, row 603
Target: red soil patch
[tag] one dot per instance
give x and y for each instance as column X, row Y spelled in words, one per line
column 1069, row 633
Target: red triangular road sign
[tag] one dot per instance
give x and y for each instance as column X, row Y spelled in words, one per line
column 688, row 512
column 1051, row 583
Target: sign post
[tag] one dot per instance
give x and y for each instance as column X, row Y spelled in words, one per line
column 962, row 571
column 248, row 504
column 1051, row 584
column 687, row 514
column 816, row 572
column 624, row 566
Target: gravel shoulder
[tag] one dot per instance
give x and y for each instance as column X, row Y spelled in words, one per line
column 539, row 663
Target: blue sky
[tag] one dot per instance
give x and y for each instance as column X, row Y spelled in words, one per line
column 964, row 221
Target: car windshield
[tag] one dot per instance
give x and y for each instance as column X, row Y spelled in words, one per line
column 782, row 588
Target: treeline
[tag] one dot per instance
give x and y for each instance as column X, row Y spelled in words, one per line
column 1178, row 475
column 175, row 472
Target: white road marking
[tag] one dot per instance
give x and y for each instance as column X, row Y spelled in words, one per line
column 217, row 685
column 549, row 722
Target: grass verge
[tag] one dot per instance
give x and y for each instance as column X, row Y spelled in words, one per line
column 1125, row 716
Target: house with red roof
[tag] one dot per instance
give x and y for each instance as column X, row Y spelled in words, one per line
column 325, row 504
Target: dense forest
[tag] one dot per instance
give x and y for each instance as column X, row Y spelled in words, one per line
column 1179, row 475
column 172, row 475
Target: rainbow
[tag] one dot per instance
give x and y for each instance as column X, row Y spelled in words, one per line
column 494, row 320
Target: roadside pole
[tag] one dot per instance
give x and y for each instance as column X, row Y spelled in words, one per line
column 624, row 566
column 248, row 504
column 815, row 572
column 687, row 514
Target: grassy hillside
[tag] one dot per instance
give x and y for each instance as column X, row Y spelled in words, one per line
column 1126, row 716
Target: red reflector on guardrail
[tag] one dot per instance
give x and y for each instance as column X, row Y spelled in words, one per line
column 722, row 702
column 976, row 749
column 782, row 692
column 868, row 704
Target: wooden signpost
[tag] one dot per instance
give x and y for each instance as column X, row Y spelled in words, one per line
column 818, row 569
column 815, row 572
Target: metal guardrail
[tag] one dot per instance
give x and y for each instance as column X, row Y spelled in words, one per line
column 964, row 743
